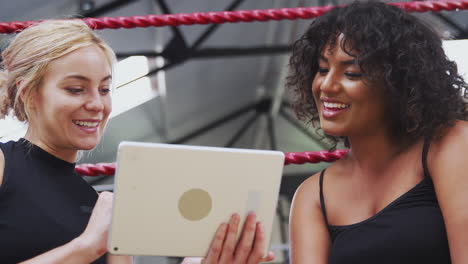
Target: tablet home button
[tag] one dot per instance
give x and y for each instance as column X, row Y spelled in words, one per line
column 195, row 204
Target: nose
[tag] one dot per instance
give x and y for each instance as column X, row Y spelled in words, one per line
column 95, row 102
column 330, row 84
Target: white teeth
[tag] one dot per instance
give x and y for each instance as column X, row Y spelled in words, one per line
column 86, row 124
column 335, row 105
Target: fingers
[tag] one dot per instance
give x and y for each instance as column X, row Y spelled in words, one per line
column 96, row 232
column 269, row 257
column 101, row 215
column 216, row 245
column 249, row 249
column 103, row 206
column 256, row 255
column 244, row 246
column 231, row 239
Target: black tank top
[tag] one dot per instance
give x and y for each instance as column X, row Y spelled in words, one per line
column 43, row 203
column 408, row 230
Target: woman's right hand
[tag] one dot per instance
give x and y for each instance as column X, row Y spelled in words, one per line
column 94, row 238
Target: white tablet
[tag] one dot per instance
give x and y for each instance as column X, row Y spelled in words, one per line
column 170, row 199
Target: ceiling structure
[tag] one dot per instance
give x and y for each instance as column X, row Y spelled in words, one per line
column 219, row 85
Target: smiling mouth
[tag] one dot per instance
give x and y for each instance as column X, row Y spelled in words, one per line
column 331, row 110
column 333, row 106
column 86, row 124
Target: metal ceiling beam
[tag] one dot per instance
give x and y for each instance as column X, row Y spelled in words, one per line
column 217, row 123
column 178, row 40
column 213, row 52
column 106, row 8
column 213, row 27
column 462, row 32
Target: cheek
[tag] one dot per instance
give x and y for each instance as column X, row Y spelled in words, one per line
column 359, row 93
column 315, row 89
column 107, row 106
column 371, row 100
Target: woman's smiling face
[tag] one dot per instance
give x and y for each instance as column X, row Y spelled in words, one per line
column 73, row 101
column 347, row 104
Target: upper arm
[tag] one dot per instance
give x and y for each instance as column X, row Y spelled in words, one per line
column 309, row 239
column 448, row 165
column 2, row 166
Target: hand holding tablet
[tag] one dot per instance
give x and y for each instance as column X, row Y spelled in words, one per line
column 249, row 248
column 170, row 200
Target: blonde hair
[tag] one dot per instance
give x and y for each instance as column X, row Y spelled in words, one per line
column 26, row 59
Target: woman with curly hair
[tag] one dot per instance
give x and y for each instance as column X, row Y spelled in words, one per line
column 378, row 79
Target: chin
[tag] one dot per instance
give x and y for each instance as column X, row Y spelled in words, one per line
column 88, row 147
column 333, row 130
column 87, row 144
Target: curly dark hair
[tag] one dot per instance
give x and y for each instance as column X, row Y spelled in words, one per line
column 422, row 86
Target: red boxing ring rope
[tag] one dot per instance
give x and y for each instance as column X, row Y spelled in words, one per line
column 233, row 16
column 290, row 158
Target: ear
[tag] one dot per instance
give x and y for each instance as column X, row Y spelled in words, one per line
column 29, row 101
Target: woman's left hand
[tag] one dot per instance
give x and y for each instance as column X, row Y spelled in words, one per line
column 225, row 250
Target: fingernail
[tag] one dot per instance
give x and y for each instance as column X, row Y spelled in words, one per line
column 235, row 217
column 260, row 226
column 252, row 216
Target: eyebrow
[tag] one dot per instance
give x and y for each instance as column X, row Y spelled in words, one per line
column 83, row 78
column 346, row 62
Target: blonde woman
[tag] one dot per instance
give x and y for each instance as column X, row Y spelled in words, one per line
column 57, row 78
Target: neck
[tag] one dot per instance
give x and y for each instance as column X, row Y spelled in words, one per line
column 372, row 154
column 67, row 154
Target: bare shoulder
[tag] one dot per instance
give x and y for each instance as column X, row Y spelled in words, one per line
column 447, row 160
column 309, row 239
column 450, row 149
column 458, row 132
column 309, row 189
column 448, row 165
column 2, row 166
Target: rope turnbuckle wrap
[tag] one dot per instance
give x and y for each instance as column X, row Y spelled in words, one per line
column 95, row 169
column 313, row 156
column 290, row 158
column 203, row 18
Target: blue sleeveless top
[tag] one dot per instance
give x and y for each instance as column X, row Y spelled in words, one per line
column 408, row 230
column 43, row 203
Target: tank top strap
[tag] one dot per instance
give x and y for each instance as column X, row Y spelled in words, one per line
column 425, row 150
column 7, row 149
column 322, row 200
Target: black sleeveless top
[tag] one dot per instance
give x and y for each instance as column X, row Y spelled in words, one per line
column 43, row 203
column 408, row 230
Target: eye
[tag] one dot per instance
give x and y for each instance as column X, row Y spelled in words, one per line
column 353, row 75
column 322, row 71
column 74, row 90
column 104, row 91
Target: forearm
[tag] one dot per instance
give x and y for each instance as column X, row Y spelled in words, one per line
column 76, row 251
